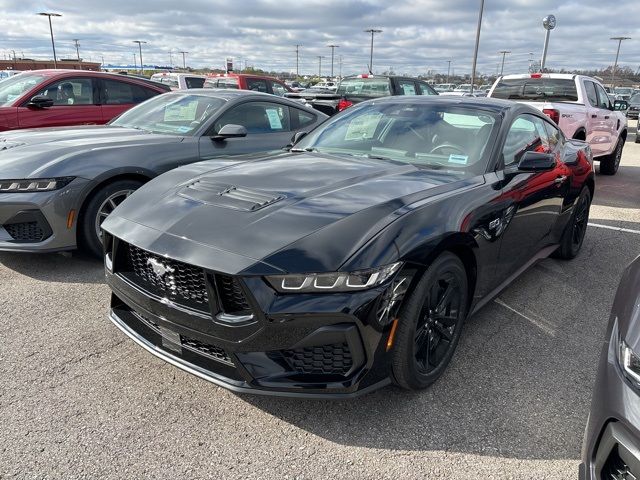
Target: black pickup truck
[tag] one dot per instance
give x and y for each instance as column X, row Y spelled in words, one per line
column 359, row 88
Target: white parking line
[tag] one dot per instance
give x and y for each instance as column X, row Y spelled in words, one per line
column 618, row 229
column 541, row 323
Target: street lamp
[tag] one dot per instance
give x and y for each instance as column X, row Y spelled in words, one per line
column 297, row 60
column 332, row 47
column 184, row 62
column 475, row 52
column 53, row 45
column 140, row 42
column 504, row 54
column 549, row 23
column 448, row 69
column 615, row 65
column 372, row 31
column 320, row 57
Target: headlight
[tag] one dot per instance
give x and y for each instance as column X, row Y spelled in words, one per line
column 630, row 363
column 34, row 184
column 333, row 282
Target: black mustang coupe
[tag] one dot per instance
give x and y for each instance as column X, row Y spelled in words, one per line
column 352, row 260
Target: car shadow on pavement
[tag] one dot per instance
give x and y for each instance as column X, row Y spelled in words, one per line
column 73, row 267
column 520, row 382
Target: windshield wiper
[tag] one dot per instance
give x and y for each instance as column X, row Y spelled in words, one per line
column 377, row 157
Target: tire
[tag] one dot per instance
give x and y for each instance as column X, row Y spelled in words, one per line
column 101, row 203
column 609, row 164
column 573, row 235
column 419, row 328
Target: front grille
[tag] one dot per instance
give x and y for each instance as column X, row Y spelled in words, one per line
column 216, row 353
column 324, row 359
column 179, row 282
column 616, row 469
column 211, row 351
column 232, row 298
column 25, row 231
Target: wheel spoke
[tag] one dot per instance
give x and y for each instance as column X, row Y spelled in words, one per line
column 447, row 320
column 444, row 332
column 446, row 296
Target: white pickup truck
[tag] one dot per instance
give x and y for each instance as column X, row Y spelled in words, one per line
column 578, row 104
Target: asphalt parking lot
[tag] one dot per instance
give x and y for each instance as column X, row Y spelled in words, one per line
column 80, row 400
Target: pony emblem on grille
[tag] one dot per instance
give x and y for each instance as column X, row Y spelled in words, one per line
column 160, row 269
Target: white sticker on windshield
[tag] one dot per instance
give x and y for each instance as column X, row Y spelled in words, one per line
column 185, row 112
column 274, row 119
column 363, row 127
column 459, row 159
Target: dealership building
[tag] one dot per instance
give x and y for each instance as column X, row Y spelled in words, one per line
column 31, row 64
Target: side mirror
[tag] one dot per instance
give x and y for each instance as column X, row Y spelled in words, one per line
column 621, row 105
column 40, row 101
column 230, row 131
column 297, row 137
column 533, row 162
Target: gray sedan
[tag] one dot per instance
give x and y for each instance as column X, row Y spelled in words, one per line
column 57, row 185
column 611, row 446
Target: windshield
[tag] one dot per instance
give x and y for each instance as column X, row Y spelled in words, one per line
column 635, row 98
column 15, row 87
column 366, row 87
column 624, row 90
column 173, row 113
column 429, row 135
column 549, row 89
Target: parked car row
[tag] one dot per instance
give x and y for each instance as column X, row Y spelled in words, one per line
column 259, row 244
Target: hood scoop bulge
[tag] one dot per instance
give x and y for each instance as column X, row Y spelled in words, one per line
column 228, row 196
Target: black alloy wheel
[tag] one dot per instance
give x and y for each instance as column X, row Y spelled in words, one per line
column 573, row 236
column 430, row 324
column 609, row 165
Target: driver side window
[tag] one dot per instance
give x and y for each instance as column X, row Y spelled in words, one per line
column 257, row 117
column 70, row 91
column 527, row 134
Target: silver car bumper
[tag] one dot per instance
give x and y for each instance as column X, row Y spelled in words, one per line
column 612, row 437
column 37, row 222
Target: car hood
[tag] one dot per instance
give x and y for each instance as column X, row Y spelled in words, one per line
column 320, row 208
column 28, row 153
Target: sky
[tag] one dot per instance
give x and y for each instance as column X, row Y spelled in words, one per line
column 417, row 36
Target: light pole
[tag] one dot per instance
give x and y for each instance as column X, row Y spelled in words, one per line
column 372, row 31
column 170, row 52
column 504, row 54
column 340, row 65
column 332, row 47
column 135, row 60
column 448, row 69
column 53, row 45
column 615, row 65
column 475, row 52
column 140, row 42
column 184, row 61
column 77, row 43
column 549, row 23
column 320, row 57
column 298, row 60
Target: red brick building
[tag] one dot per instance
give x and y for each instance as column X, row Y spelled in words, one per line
column 28, row 64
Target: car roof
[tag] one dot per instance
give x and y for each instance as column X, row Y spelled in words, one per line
column 65, row 72
column 493, row 104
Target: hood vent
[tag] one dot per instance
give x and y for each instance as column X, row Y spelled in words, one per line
column 228, row 196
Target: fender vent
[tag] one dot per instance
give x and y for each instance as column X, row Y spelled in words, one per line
column 228, row 196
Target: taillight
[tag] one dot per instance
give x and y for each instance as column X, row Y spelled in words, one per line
column 536, row 75
column 552, row 113
column 344, row 103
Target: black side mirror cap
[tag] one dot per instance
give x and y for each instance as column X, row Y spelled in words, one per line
column 230, row 131
column 620, row 105
column 40, row 101
column 533, row 162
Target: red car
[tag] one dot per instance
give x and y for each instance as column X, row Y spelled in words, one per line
column 55, row 98
column 243, row 81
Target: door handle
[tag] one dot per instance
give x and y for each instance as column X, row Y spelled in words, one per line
column 560, row 179
column 606, row 117
column 594, row 116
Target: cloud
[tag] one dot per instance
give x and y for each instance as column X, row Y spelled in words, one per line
column 417, row 35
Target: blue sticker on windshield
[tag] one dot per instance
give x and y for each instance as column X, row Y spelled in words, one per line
column 459, row 159
column 183, row 129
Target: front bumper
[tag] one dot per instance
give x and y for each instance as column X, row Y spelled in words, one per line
column 37, row 222
column 612, row 438
column 300, row 345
